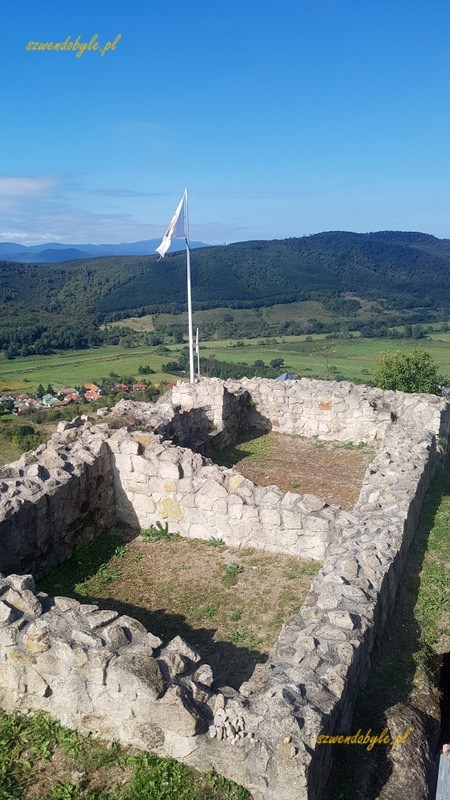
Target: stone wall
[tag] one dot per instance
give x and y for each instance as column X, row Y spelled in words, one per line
column 155, row 481
column 55, row 499
column 341, row 412
column 79, row 663
column 263, row 736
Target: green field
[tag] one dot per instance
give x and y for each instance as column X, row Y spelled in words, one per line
column 299, row 311
column 75, row 367
column 354, row 359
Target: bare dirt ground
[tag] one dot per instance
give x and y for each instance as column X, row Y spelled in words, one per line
column 331, row 470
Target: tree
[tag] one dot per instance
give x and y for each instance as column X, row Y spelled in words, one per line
column 259, row 367
column 414, row 371
column 146, row 370
column 6, row 406
column 327, row 352
column 276, row 362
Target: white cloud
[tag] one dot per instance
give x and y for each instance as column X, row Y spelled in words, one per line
column 22, row 187
column 22, row 193
column 10, row 236
column 35, row 220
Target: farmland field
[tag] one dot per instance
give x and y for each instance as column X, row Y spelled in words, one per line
column 352, row 359
column 75, row 367
column 300, row 311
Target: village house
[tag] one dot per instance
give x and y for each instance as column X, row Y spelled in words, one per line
column 50, row 400
column 91, row 394
column 24, row 402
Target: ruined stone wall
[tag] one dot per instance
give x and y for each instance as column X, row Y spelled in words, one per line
column 156, row 481
column 55, row 499
column 323, row 654
column 99, row 672
column 263, row 736
column 334, row 411
column 329, row 410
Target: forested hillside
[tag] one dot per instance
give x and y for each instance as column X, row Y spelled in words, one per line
column 66, row 302
column 281, row 271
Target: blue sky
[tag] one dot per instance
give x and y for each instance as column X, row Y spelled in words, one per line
column 283, row 118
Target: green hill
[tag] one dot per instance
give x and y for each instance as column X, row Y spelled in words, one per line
column 264, row 273
column 66, row 302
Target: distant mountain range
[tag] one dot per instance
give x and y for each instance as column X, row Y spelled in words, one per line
column 54, row 252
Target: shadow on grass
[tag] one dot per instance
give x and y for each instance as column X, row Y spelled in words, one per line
column 234, row 453
column 357, row 773
column 231, row 664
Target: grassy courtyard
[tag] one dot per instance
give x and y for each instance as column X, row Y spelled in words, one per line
column 331, row 470
column 229, row 604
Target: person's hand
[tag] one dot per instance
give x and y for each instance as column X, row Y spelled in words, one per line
column 445, row 749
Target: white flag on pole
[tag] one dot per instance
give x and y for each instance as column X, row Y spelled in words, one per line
column 175, row 229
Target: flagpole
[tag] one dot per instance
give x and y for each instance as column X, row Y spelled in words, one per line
column 189, row 298
column 197, row 350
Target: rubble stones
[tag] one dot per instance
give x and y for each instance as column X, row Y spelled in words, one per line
column 112, row 677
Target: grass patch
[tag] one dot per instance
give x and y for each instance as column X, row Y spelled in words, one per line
column 38, row 756
column 331, row 470
column 86, row 572
column 214, row 542
column 253, row 444
column 230, row 574
column 228, row 604
column 158, row 532
column 9, row 450
column 17, row 435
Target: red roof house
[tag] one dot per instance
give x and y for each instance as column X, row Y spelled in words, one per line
column 92, row 395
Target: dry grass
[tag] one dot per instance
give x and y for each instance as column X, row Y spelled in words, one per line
column 331, row 470
column 229, row 604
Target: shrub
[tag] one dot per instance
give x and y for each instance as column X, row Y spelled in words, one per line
column 414, row 371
